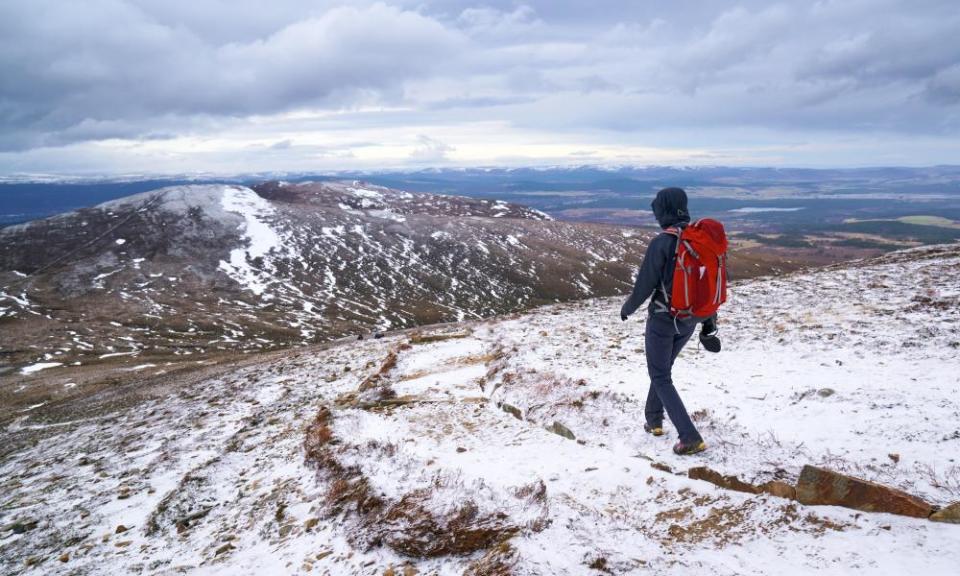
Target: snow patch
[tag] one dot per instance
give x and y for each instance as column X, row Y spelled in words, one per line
column 261, row 237
column 39, row 366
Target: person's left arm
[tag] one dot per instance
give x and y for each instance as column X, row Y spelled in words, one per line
column 648, row 277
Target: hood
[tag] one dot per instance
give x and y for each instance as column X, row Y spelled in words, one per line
column 670, row 207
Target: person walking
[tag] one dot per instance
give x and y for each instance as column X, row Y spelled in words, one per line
column 666, row 334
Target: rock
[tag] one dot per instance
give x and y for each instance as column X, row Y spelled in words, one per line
column 826, row 392
column 662, row 467
column 818, row 486
column 779, row 489
column 64, row 558
column 409, row 571
column 894, row 457
column 950, row 514
column 224, row 549
column 461, row 449
column 120, row 529
column 513, row 410
column 23, row 526
column 727, row 482
column 560, row 429
column 310, row 524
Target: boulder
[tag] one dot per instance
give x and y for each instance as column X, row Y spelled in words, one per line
column 560, row 429
column 512, row 410
column 950, row 514
column 818, row 486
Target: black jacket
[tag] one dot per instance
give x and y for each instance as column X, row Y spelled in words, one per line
column 656, row 272
column 655, row 275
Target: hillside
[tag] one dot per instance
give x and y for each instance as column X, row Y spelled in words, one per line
column 514, row 446
column 196, row 269
column 181, row 274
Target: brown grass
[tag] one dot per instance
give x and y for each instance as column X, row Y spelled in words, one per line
column 377, row 378
column 419, row 338
column 498, row 561
column 409, row 525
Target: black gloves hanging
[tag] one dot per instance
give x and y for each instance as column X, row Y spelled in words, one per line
column 708, row 335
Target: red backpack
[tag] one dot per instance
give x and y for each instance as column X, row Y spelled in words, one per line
column 700, row 270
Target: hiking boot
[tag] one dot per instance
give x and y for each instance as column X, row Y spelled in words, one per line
column 655, row 430
column 686, row 449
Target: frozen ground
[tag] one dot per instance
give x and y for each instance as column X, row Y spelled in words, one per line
column 434, row 455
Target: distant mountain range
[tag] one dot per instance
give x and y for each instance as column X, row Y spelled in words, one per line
column 563, row 191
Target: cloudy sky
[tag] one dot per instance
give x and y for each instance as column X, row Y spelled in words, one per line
column 230, row 86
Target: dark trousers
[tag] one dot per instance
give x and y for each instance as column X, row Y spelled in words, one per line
column 662, row 344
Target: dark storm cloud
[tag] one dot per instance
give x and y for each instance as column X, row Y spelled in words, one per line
column 126, row 69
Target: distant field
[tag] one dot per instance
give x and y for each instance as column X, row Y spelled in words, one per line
column 938, row 221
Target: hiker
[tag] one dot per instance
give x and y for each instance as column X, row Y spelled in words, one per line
column 668, row 331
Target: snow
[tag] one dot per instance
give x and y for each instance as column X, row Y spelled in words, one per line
column 387, row 215
column 120, row 241
column 39, row 366
column 141, row 367
column 366, row 193
column 232, row 441
column 260, row 236
column 115, row 354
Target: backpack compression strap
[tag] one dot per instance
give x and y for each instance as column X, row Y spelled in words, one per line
column 661, row 307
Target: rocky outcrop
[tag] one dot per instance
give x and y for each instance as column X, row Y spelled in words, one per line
column 561, row 430
column 950, row 514
column 818, row 486
column 726, row 482
column 779, row 489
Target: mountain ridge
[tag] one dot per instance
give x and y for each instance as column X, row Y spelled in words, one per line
column 521, row 435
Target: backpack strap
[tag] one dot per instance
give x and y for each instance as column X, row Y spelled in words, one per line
column 664, row 306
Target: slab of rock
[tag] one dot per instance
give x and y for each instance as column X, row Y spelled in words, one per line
column 560, row 429
column 779, row 489
column 512, row 410
column 727, row 482
column 818, row 486
column 950, row 514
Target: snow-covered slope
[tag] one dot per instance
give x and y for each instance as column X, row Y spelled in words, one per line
column 515, row 446
column 210, row 269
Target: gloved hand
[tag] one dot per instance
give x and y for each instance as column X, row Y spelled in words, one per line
column 623, row 317
column 708, row 335
column 709, row 326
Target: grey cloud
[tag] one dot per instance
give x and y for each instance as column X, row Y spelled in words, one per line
column 430, row 150
column 65, row 64
column 944, row 88
column 75, row 72
column 285, row 144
